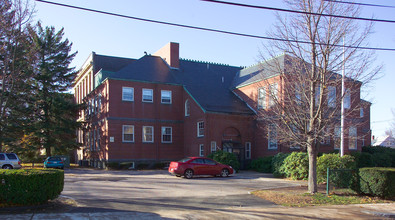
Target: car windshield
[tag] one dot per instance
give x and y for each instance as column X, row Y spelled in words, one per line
column 184, row 160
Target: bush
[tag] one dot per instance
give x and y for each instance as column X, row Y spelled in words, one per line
column 125, row 165
column 113, row 165
column 277, row 162
column 296, row 166
column 381, row 156
column 263, row 164
column 335, row 161
column 226, row 158
column 377, row 181
column 363, row 159
column 30, row 186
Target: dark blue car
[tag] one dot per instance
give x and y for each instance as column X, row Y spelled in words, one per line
column 54, row 162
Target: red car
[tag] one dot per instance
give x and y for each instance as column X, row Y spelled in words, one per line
column 190, row 166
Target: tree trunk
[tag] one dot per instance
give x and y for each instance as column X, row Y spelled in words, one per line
column 312, row 182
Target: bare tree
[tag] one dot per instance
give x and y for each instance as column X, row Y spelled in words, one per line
column 305, row 103
column 15, row 15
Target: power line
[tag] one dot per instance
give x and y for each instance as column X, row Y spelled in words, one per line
column 297, row 12
column 362, row 4
column 210, row 29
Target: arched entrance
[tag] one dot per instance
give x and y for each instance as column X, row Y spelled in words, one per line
column 231, row 142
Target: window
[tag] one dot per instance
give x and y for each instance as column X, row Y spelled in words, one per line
column 99, row 103
column 200, row 129
column 187, row 108
column 273, row 94
column 147, row 95
column 248, row 150
column 166, row 97
column 148, row 134
column 347, row 99
column 272, row 137
column 127, row 133
column 331, row 96
column 201, row 150
column 98, row 139
column 361, row 112
column 166, row 134
column 262, row 98
column 213, row 146
column 127, row 94
column 352, row 137
column 337, row 137
column 298, row 95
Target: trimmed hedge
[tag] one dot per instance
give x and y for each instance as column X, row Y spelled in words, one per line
column 30, row 186
column 377, row 181
column 263, row 164
column 296, row 166
column 381, row 156
column 226, row 158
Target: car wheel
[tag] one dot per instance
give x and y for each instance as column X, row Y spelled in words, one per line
column 225, row 173
column 188, row 173
column 8, row 167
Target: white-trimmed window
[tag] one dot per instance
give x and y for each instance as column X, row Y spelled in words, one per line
column 200, row 129
column 272, row 137
column 165, row 96
column 352, row 138
column 187, row 108
column 248, row 150
column 331, row 96
column 127, row 133
column 98, row 139
column 201, row 150
column 148, row 134
column 347, row 99
column 213, row 146
column 127, row 94
column 361, row 112
column 262, row 98
column 273, row 89
column 147, row 95
column 167, row 134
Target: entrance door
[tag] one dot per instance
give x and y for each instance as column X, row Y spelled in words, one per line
column 237, row 149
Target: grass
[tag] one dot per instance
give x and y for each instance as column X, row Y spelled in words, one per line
column 298, row 197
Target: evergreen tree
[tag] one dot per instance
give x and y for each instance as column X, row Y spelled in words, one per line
column 53, row 124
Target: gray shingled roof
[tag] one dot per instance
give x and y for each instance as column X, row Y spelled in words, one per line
column 208, row 84
column 109, row 63
column 258, row 72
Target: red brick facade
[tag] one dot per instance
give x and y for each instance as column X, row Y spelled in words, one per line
column 149, row 121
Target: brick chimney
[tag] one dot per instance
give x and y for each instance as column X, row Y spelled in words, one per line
column 170, row 53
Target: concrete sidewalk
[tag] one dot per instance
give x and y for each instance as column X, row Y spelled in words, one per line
column 364, row 211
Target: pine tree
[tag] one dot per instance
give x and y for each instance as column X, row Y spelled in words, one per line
column 53, row 76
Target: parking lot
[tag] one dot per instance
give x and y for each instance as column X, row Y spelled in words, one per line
column 163, row 194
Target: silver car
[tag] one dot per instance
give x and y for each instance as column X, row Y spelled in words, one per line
column 9, row 161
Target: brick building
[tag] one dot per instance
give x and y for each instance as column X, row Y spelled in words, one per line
column 161, row 108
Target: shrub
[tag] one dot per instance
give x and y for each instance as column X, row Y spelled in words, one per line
column 263, row 164
column 226, row 158
column 377, row 181
column 142, row 166
column 363, row 159
column 113, row 165
column 381, row 156
column 125, row 165
column 335, row 161
column 30, row 186
column 296, row 166
column 277, row 162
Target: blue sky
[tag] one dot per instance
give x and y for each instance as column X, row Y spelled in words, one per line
column 123, row 37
